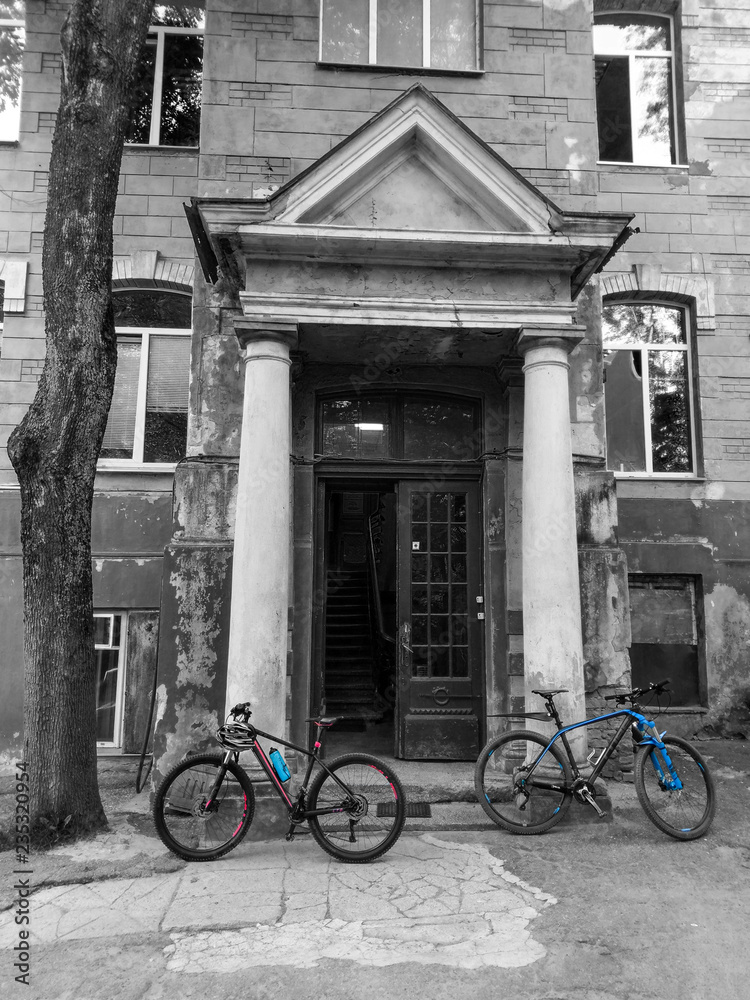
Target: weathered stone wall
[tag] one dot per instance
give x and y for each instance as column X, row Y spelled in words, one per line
column 269, row 111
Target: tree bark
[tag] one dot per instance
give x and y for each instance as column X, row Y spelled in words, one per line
column 54, row 450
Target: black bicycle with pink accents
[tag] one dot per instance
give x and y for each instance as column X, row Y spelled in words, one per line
column 353, row 806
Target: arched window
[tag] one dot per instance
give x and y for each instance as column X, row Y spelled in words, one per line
column 647, row 392
column 635, row 88
column 147, row 422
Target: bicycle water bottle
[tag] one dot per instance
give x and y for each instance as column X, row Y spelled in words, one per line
column 279, row 765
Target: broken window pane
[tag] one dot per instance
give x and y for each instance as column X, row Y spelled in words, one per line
column 647, row 377
column 626, row 451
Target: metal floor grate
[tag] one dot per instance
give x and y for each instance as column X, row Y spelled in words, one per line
column 413, row 809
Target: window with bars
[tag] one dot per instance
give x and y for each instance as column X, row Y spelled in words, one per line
column 168, row 94
column 12, row 39
column 635, row 88
column 430, row 34
column 647, row 390
column 147, row 422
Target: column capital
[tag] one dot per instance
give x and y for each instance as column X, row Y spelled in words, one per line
column 249, row 331
column 509, row 372
column 543, row 335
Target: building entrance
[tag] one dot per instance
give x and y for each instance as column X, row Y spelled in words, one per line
column 402, row 635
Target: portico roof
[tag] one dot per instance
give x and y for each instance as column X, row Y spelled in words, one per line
column 412, row 187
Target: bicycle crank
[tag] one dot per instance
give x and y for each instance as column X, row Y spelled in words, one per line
column 585, row 792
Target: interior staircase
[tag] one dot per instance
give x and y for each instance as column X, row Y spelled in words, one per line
column 350, row 655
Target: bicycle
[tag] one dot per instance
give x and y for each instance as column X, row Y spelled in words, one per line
column 355, row 806
column 526, row 785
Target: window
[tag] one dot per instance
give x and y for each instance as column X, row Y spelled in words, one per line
column 415, row 428
column 635, row 90
column 148, row 415
column 108, row 632
column 435, row 34
column 664, row 623
column 168, row 96
column 647, row 389
column 12, row 37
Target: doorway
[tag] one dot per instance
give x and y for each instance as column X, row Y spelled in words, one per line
column 400, row 649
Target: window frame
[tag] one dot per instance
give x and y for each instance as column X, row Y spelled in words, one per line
column 12, row 22
column 396, row 399
column 372, row 61
column 161, row 30
column 644, row 348
column 116, row 740
column 632, row 55
column 693, row 584
column 141, row 334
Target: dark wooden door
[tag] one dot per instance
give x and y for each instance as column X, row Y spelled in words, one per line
column 440, row 628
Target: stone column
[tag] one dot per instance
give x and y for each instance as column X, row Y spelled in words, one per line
column 256, row 670
column 553, row 653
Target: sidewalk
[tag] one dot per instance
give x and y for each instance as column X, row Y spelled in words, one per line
column 578, row 913
column 132, row 849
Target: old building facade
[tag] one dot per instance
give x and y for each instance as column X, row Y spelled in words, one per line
column 437, row 389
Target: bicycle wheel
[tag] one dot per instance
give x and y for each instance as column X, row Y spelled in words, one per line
column 192, row 828
column 510, row 798
column 371, row 808
column 684, row 813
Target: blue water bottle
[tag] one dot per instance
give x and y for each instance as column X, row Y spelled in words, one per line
column 279, row 765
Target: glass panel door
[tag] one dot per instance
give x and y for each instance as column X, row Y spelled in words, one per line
column 440, row 621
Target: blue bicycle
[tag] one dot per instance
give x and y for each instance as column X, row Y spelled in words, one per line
column 526, row 785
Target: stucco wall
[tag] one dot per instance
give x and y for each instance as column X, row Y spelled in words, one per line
column 269, row 111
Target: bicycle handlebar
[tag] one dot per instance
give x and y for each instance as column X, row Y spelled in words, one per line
column 242, row 709
column 658, row 686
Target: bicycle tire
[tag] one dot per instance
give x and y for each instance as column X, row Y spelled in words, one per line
column 375, row 824
column 531, row 810
column 684, row 814
column 180, row 821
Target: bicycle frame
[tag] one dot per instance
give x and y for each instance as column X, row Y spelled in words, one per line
column 652, row 738
column 295, row 808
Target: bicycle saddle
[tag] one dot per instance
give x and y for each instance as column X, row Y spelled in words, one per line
column 548, row 694
column 324, row 720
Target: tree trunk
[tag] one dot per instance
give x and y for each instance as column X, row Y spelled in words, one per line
column 55, row 448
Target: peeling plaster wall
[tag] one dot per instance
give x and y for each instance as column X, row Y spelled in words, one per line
column 710, row 540
column 193, row 643
column 129, row 531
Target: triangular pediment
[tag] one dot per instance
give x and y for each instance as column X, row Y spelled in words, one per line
column 415, row 166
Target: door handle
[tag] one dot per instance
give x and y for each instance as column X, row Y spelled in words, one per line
column 407, row 648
